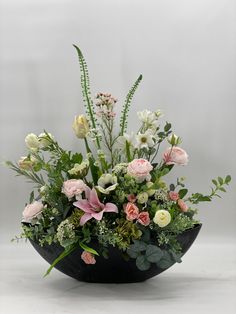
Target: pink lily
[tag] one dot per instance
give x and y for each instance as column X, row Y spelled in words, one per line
column 92, row 207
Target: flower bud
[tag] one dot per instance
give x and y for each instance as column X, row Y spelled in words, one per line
column 43, row 139
column 80, row 126
column 142, row 197
column 150, row 191
column 32, row 142
column 174, row 140
column 25, row 163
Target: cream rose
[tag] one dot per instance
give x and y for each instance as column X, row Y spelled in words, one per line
column 80, row 126
column 140, row 169
column 32, row 211
column 175, row 156
column 162, row 218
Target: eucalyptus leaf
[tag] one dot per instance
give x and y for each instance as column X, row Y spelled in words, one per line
column 142, row 263
column 166, row 261
column 153, row 253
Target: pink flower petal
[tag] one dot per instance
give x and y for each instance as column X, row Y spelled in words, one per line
column 98, row 216
column 110, row 207
column 94, row 200
column 84, row 205
column 85, row 218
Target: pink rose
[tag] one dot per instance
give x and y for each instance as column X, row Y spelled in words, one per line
column 131, row 198
column 140, row 169
column 32, row 210
column 73, row 187
column 144, row 219
column 183, row 206
column 175, row 156
column 131, row 211
column 88, row 258
column 174, row 196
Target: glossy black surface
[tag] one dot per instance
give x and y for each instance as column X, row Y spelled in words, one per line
column 112, row 270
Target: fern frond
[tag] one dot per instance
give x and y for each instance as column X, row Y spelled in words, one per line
column 126, row 106
column 85, row 85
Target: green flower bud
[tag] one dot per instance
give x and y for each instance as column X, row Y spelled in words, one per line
column 142, row 197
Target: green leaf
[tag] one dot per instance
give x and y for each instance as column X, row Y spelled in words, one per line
column 214, row 182
column 220, row 180
column 77, row 158
column 166, row 261
column 222, row 189
column 142, row 263
column 31, row 197
column 66, row 252
column 227, row 179
column 88, row 249
column 182, row 193
column 139, row 246
column 167, row 127
column 153, row 253
column 176, row 257
column 132, row 253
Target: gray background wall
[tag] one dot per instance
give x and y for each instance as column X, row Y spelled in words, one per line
column 185, row 50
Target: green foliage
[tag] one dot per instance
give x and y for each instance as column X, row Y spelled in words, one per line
column 218, row 186
column 85, row 85
column 129, row 97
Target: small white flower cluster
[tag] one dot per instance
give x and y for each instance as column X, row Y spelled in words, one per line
column 65, row 231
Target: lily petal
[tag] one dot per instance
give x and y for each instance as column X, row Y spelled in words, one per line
column 110, row 207
column 84, row 219
column 94, row 200
column 98, row 216
column 84, row 205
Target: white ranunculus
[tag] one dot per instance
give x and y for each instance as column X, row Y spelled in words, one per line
column 107, row 183
column 162, row 218
column 32, row 142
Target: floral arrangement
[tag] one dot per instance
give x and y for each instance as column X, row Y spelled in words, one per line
column 116, row 194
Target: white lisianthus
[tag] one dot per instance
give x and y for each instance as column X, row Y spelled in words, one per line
column 43, row 139
column 107, row 183
column 146, row 116
column 32, row 142
column 129, row 138
column 162, row 218
column 81, row 126
column 145, row 140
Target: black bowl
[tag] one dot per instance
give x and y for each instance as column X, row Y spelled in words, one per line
column 112, row 270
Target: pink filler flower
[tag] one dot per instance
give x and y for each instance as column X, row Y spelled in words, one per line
column 174, row 196
column 92, row 207
column 183, row 206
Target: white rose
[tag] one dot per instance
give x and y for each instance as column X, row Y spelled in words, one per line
column 162, row 218
column 32, row 142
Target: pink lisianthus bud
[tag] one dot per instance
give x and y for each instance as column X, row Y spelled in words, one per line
column 88, row 258
column 183, row 206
